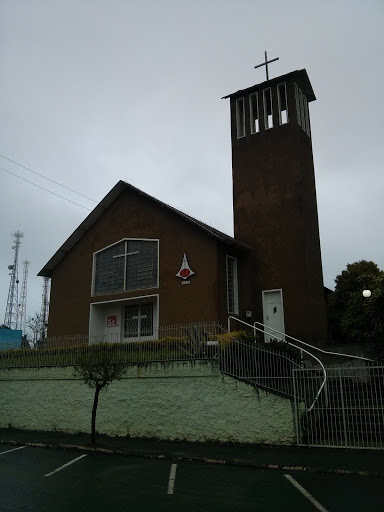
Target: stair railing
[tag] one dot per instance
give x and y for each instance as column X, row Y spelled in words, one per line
column 290, row 344
column 307, row 344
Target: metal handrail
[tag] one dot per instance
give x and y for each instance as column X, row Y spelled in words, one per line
column 309, row 345
column 292, row 345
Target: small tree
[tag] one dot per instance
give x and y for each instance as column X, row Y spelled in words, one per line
column 34, row 335
column 98, row 369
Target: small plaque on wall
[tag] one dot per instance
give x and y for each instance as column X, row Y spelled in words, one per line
column 112, row 321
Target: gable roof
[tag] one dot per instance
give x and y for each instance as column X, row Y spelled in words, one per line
column 46, row 271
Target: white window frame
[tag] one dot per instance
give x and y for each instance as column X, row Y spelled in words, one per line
column 235, row 310
column 252, row 118
column 267, row 126
column 94, row 294
column 240, row 118
column 284, row 86
column 120, row 305
column 139, row 337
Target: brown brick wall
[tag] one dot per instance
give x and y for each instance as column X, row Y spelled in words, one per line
column 136, row 216
column 275, row 213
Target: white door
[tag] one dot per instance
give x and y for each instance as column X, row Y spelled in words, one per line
column 273, row 314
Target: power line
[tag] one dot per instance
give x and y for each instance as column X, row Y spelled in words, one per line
column 49, row 179
column 46, row 190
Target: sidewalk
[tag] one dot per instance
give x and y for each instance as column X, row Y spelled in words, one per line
column 324, row 460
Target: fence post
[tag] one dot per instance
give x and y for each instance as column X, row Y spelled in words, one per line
column 326, row 395
column 295, row 406
column 343, row 408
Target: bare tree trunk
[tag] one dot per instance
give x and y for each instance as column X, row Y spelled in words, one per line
column 94, row 409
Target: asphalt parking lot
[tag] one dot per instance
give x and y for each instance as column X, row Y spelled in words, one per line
column 41, row 479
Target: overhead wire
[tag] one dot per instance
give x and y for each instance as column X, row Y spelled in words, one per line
column 46, row 190
column 49, row 179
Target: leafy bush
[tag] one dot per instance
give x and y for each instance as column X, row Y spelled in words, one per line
column 163, row 349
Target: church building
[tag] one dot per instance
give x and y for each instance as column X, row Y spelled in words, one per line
column 136, row 264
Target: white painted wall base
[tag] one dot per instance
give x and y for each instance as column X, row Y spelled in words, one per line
column 178, row 401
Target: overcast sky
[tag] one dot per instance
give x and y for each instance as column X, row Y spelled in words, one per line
column 94, row 91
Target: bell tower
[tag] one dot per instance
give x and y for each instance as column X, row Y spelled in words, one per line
column 275, row 207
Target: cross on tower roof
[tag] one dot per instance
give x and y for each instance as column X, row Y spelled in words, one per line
column 266, row 63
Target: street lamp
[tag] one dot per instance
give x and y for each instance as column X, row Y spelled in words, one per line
column 367, row 293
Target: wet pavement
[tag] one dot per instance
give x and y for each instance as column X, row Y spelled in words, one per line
column 367, row 462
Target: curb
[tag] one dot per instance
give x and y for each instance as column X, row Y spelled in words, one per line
column 199, row 460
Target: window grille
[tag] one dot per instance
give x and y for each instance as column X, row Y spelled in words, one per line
column 138, row 321
column 127, row 265
column 109, row 275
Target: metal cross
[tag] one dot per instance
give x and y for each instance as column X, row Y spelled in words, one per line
column 266, row 63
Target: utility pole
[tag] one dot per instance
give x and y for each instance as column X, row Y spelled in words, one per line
column 11, row 318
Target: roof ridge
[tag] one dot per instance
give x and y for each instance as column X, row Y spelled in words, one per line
column 104, row 204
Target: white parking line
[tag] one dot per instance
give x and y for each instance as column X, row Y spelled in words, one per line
column 303, row 491
column 172, row 477
column 13, row 449
column 65, row 465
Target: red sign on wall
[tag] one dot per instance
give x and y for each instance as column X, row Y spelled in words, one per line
column 112, row 321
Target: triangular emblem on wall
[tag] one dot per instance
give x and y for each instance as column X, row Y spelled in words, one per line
column 185, row 270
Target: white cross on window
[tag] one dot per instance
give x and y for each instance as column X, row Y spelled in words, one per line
column 125, row 256
column 139, row 317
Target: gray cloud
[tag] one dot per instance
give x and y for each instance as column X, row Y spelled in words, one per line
column 94, row 92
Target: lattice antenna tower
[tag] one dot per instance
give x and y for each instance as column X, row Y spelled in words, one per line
column 23, row 298
column 12, row 310
column 44, row 308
